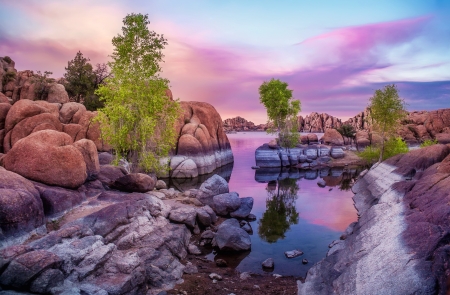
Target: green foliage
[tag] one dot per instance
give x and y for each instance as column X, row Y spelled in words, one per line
column 7, row 59
column 9, row 76
column 138, row 117
column 428, row 142
column 282, row 110
column 393, row 146
column 387, row 110
column 79, row 77
column 41, row 80
column 347, row 130
column 281, row 212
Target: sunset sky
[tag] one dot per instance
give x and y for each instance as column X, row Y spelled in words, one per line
column 333, row 54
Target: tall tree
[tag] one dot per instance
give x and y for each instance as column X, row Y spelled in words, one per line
column 387, row 109
column 281, row 109
column 79, row 78
column 138, row 117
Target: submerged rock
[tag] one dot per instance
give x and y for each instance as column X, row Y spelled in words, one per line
column 293, row 253
column 268, row 263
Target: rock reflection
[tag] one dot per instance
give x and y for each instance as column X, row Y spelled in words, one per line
column 281, row 212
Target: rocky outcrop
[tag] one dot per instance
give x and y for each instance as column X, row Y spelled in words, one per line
column 332, row 137
column 316, row 122
column 400, row 243
column 202, row 144
column 238, row 124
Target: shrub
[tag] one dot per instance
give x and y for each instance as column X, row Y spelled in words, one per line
column 392, row 147
column 370, row 154
column 7, row 59
column 9, row 76
column 428, row 142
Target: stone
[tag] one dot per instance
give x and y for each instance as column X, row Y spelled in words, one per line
column 203, row 217
column 273, row 144
column 266, row 157
column 221, row 263
column 246, row 226
column 185, row 169
column 293, row 253
column 223, row 204
column 194, row 250
column 190, row 268
column 49, row 157
column 244, row 209
column 332, row 137
column 316, row 122
column 311, row 153
column 57, row 93
column 321, row 183
column 304, row 261
column 362, row 139
column 21, row 208
column 135, row 182
column 215, row 185
column 251, row 217
column 109, row 174
column 89, row 151
column 268, row 263
column 337, row 153
column 186, row 215
column 230, row 237
column 57, row 199
column 214, row 276
column 71, row 112
column 160, row 184
column 105, row 158
column 24, row 268
column 312, row 138
column 46, row 281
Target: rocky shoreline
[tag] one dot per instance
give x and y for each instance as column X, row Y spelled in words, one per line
column 400, row 244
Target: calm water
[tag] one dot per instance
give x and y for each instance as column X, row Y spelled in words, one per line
column 291, row 213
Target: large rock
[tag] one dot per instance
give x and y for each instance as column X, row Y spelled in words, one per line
column 183, row 167
column 109, row 174
column 332, row 137
column 57, row 199
column 215, row 185
column 186, row 215
column 89, row 151
column 315, row 122
column 266, row 157
column 49, row 157
column 245, row 208
column 57, row 93
column 202, row 138
column 362, row 139
column 135, row 182
column 223, row 204
column 337, row 153
column 21, row 208
column 230, row 237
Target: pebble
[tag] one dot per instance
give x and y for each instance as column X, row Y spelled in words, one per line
column 221, row 263
column 268, row 263
column 194, row 250
column 277, row 275
column 305, row 261
column 214, row 276
column 251, row 217
column 244, row 275
column 293, row 253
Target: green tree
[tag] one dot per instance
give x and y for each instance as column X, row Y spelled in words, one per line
column 347, row 130
column 281, row 109
column 387, row 110
column 138, row 117
column 79, row 78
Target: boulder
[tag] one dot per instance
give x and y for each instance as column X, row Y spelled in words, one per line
column 71, row 112
column 183, row 167
column 135, row 182
column 304, row 139
column 57, row 94
column 215, row 185
column 49, row 157
column 160, row 184
column 230, row 237
column 311, row 153
column 244, row 210
column 109, row 173
column 362, row 139
column 57, row 199
column 332, row 137
column 443, row 138
column 105, row 158
column 337, row 153
column 21, row 208
column 273, row 144
column 223, row 204
column 186, row 215
column 312, row 138
column 266, row 157
column 316, row 122
column 89, row 151
column 268, row 263
column 4, row 109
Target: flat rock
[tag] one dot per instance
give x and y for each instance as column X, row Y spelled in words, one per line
column 135, row 182
column 293, row 253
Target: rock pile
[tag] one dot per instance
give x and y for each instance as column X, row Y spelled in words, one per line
column 316, row 122
column 240, row 124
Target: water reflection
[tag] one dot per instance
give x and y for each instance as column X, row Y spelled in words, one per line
column 281, row 212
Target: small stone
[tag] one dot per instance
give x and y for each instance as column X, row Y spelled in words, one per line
column 305, row 261
column 256, row 287
column 214, row 281
column 194, row 250
column 190, row 268
column 208, row 234
column 268, row 263
column 321, row 183
column 277, row 275
column 293, row 253
column 251, row 217
column 214, row 276
column 221, row 263
column 244, row 275
column 160, row 184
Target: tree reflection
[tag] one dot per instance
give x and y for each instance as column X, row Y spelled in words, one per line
column 281, row 212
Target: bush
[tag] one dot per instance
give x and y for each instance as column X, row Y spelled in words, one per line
column 428, row 142
column 392, row 147
column 7, row 59
column 9, row 76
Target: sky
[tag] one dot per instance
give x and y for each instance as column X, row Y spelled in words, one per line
column 333, row 54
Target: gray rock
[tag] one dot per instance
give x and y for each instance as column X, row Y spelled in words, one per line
column 293, row 253
column 337, row 153
column 284, row 157
column 109, row 173
column 208, row 234
column 245, row 208
column 322, row 183
column 186, row 215
column 190, row 268
column 215, row 185
column 324, row 159
column 251, row 217
column 304, row 261
column 311, row 153
column 135, row 182
column 223, row 204
column 214, row 276
column 194, row 250
column 323, row 151
column 203, row 217
column 57, row 199
column 160, row 184
column 246, row 226
column 105, row 158
column 185, row 169
column 266, row 157
column 45, row 281
column 268, row 263
column 230, row 237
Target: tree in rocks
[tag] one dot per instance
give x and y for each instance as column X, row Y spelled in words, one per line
column 282, row 111
column 138, row 116
column 387, row 110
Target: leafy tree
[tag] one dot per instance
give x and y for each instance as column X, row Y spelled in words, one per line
column 347, row 130
column 282, row 110
column 41, row 80
column 79, row 78
column 138, row 117
column 387, row 110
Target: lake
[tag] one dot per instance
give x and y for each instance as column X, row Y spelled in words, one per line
column 292, row 213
